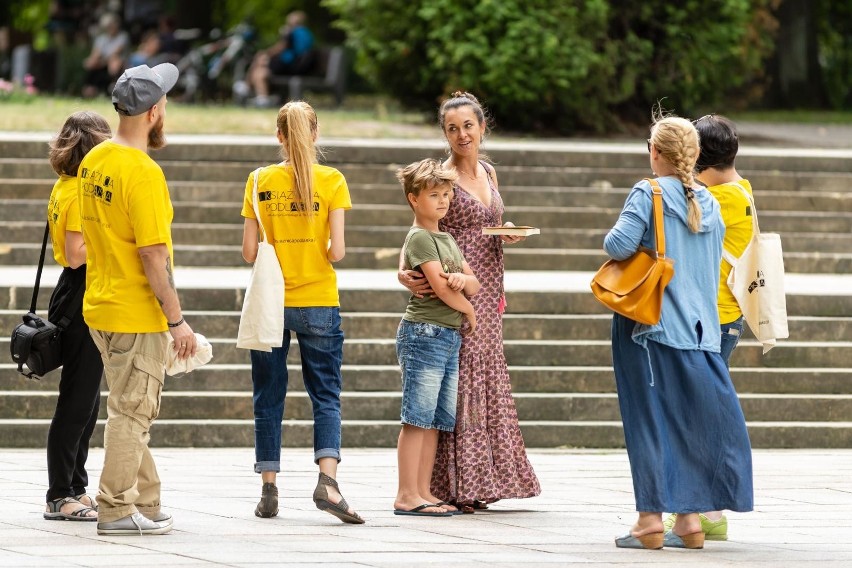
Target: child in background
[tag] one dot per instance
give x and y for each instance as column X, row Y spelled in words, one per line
column 429, row 337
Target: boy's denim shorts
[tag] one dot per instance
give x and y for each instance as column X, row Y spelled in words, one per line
column 428, row 355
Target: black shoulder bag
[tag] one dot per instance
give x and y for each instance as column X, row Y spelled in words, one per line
column 36, row 343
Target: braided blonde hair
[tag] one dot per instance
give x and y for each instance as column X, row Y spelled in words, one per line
column 676, row 139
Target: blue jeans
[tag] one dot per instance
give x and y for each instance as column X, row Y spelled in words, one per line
column 731, row 333
column 428, row 355
column 321, row 351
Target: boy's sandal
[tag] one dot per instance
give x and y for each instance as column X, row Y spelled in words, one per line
column 54, row 511
column 87, row 500
column 340, row 509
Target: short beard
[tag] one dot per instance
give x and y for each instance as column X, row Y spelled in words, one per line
column 156, row 136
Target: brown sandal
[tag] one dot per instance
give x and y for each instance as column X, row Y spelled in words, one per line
column 339, row 510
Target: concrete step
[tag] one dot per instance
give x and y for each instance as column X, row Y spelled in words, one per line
column 812, row 303
column 391, row 194
column 525, row 379
column 400, row 215
column 381, row 406
column 560, row 352
column 384, row 434
column 371, row 236
column 366, row 325
column 519, row 175
column 518, row 257
column 505, row 153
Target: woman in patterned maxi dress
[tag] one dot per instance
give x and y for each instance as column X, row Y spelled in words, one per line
column 485, row 459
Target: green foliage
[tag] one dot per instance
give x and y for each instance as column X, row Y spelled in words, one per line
column 834, row 20
column 31, row 16
column 541, row 64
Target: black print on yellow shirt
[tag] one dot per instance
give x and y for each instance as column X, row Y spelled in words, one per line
column 95, row 184
column 282, row 202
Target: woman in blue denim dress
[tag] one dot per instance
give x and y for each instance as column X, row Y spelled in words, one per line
column 301, row 205
column 684, row 429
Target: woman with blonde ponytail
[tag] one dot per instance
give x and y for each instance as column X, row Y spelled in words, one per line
column 301, row 206
column 684, row 429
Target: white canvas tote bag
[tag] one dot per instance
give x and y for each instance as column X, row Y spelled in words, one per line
column 262, row 318
column 757, row 282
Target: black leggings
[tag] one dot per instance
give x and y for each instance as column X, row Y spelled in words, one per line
column 79, row 395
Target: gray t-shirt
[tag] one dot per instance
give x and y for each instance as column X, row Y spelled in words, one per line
column 424, row 246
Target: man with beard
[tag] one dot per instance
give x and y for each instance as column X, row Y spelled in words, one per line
column 130, row 299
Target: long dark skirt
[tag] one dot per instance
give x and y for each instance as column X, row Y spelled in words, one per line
column 685, row 431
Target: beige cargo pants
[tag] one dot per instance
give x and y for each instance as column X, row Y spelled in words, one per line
column 134, row 367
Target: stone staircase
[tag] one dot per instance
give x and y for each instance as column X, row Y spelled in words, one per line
column 556, row 334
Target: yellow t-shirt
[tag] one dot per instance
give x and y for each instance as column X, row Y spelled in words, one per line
column 63, row 214
column 301, row 244
column 124, row 205
column 736, row 213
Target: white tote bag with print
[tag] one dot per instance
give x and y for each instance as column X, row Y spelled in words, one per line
column 757, row 282
column 262, row 318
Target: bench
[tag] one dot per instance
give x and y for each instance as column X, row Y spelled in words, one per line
column 329, row 75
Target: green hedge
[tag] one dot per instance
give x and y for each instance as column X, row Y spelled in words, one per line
column 585, row 64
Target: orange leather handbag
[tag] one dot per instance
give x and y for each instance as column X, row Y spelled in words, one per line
column 634, row 287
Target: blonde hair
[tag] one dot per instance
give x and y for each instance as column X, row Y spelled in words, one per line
column 424, row 174
column 676, row 139
column 297, row 123
column 81, row 132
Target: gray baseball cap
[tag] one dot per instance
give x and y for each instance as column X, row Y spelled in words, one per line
column 139, row 88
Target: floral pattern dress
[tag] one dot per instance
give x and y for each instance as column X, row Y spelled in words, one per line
column 485, row 458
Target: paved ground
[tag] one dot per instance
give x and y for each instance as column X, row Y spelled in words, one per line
column 803, row 517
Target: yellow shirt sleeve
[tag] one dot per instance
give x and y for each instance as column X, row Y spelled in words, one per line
column 148, row 210
column 340, row 199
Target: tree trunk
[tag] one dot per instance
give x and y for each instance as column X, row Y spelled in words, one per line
column 796, row 71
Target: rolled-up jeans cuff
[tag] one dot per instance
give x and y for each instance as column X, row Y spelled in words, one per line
column 260, row 467
column 327, row 453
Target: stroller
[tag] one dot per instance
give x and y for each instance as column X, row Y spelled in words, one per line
column 204, row 70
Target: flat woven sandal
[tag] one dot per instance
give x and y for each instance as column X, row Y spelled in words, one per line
column 339, row 510
column 54, row 511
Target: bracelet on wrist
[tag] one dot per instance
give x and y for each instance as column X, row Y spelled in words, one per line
column 175, row 324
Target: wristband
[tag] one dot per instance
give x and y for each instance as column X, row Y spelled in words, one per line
column 176, row 324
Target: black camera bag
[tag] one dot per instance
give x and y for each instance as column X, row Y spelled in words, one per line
column 37, row 343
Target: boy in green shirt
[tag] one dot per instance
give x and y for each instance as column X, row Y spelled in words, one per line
column 429, row 337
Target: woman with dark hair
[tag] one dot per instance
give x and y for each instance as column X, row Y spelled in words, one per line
column 484, row 459
column 716, row 171
column 79, row 385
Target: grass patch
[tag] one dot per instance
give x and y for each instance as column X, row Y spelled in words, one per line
column 362, row 117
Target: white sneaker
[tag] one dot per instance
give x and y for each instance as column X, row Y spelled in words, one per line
column 162, row 518
column 132, row 525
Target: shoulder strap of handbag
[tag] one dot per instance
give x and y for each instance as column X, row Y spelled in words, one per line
column 659, row 233
column 40, row 266
column 755, row 226
column 65, row 321
column 257, row 207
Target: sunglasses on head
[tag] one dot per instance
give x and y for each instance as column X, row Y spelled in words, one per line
column 697, row 120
